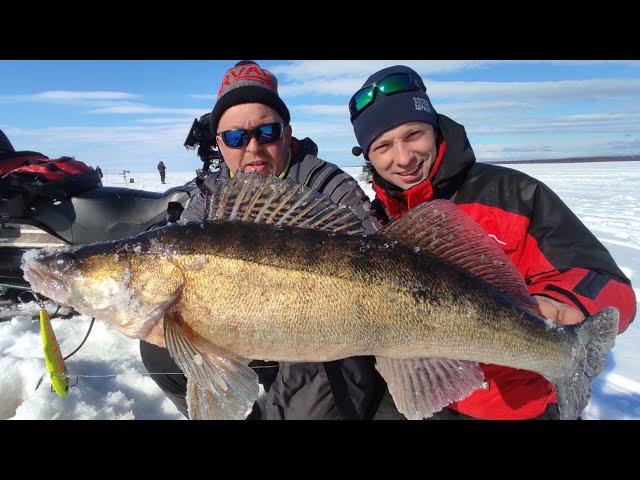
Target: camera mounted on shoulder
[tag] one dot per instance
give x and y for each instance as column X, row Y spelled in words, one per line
column 200, row 136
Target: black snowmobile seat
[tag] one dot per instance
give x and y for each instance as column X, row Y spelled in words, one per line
column 120, row 212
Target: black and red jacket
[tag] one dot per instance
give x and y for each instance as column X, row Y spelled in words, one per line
column 556, row 254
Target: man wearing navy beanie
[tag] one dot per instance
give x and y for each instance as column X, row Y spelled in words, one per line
column 389, row 111
column 417, row 155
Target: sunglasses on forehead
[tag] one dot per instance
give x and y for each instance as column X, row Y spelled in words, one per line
column 241, row 137
column 394, row 83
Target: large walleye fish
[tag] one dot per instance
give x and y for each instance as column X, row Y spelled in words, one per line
column 282, row 273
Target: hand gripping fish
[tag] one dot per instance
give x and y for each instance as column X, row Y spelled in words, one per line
column 281, row 273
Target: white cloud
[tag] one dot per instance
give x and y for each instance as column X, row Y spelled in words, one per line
column 161, row 120
column 549, row 129
column 590, row 63
column 319, row 109
column 361, row 69
column 473, row 113
column 204, row 96
column 337, row 87
column 139, row 108
column 553, row 147
column 321, row 130
column 485, row 106
column 551, row 125
column 494, row 151
column 344, row 77
column 488, row 110
column 595, row 117
column 508, row 92
column 528, row 149
column 70, row 96
column 136, row 148
column 626, row 146
column 536, row 91
column 101, row 135
column 139, row 148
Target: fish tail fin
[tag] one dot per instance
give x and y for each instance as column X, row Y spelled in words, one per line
column 594, row 337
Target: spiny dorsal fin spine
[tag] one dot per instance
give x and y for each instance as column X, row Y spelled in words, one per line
column 441, row 229
column 256, row 199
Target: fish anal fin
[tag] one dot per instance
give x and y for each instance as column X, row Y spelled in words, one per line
column 220, row 386
column 423, row 386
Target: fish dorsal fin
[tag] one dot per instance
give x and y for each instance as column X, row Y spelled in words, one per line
column 441, row 229
column 249, row 197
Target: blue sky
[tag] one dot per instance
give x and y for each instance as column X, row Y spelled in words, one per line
column 131, row 114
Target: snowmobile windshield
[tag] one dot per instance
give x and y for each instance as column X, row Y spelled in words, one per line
column 5, row 144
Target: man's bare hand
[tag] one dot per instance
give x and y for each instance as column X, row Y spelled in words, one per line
column 558, row 312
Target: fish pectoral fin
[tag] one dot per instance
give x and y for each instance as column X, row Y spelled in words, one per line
column 219, row 386
column 422, row 386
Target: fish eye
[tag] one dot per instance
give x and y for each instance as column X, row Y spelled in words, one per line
column 64, row 260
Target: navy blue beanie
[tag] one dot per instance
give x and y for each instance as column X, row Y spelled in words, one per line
column 388, row 112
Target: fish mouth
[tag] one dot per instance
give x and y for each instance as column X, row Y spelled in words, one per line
column 45, row 280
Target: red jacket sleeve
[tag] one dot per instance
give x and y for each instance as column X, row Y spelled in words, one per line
column 588, row 291
column 561, row 259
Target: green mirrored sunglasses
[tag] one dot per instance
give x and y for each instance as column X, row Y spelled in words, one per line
column 394, row 83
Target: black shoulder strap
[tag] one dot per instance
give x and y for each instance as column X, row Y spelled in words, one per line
column 370, row 383
column 344, row 405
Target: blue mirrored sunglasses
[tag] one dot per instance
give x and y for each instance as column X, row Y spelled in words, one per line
column 264, row 134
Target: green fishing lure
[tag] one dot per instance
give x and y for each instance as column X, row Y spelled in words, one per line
column 53, row 356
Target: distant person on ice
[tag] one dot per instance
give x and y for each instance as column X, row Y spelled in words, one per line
column 417, row 155
column 161, row 169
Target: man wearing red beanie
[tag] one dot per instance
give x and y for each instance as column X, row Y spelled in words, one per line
column 252, row 130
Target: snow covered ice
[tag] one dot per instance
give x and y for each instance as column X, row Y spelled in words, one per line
column 113, row 383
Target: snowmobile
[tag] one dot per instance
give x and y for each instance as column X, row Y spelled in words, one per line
column 49, row 203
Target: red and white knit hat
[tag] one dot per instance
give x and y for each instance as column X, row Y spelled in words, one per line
column 247, row 82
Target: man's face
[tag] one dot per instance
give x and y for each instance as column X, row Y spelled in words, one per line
column 267, row 159
column 404, row 155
